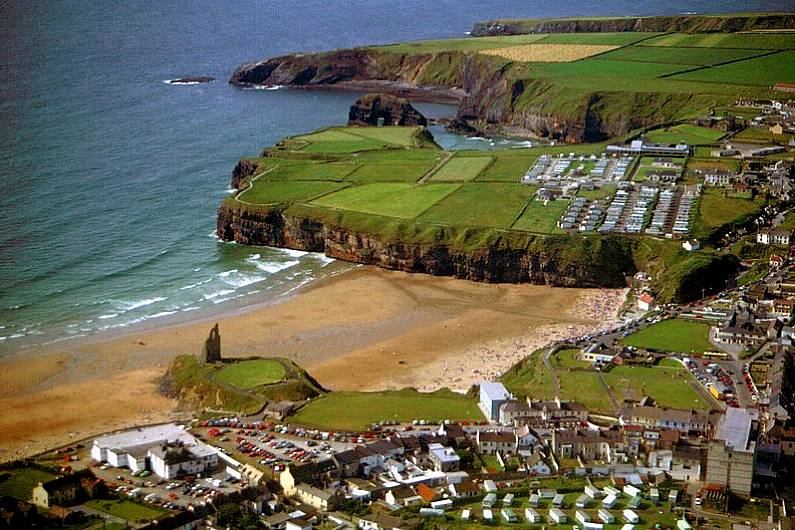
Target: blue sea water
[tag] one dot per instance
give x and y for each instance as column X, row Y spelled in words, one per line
column 110, row 178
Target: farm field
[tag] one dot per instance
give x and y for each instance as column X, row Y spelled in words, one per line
column 585, row 387
column 689, row 134
column 675, row 335
column 474, row 204
column 124, row 509
column 540, row 217
column 461, row 169
column 508, row 166
column 408, row 172
column 252, row 373
column 548, row 53
column 355, row 411
column 353, row 139
column 763, row 71
column 275, row 169
column 287, row 191
column 660, row 54
column 392, row 200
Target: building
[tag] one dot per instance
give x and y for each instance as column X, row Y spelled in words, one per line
column 175, row 459
column 493, row 442
column 731, row 452
column 719, row 178
column 65, row 490
column 587, row 444
column 645, row 302
column 776, row 129
column 382, row 521
column 492, row 395
column 685, row 421
column 640, row 147
column 691, row 245
column 443, row 458
column 773, row 236
column 320, row 499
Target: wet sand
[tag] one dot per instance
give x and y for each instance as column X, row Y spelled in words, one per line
column 366, row 329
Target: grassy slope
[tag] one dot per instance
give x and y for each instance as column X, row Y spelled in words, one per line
column 249, row 374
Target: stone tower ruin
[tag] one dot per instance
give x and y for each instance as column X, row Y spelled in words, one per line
column 212, row 346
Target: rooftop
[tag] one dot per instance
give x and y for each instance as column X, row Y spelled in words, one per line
column 735, row 429
column 495, row 391
column 145, row 436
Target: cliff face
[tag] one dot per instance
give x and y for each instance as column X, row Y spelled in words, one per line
column 684, row 23
column 392, row 110
column 243, row 169
column 550, row 261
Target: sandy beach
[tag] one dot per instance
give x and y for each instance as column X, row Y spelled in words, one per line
column 366, row 329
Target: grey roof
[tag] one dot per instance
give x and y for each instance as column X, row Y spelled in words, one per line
column 735, row 429
column 495, row 391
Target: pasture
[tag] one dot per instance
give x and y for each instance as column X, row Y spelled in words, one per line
column 541, row 217
column 263, row 192
column 548, row 53
column 461, row 169
column 481, row 204
column 686, row 133
column 389, row 199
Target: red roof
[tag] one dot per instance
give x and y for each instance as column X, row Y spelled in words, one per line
column 647, row 298
column 427, row 494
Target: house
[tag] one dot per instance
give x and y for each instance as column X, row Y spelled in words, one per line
column 493, row 442
column 464, row 489
column 776, row 129
column 492, row 395
column 773, row 236
column 664, row 418
column 443, row 458
column 691, row 245
column 173, row 459
column 65, row 490
column 313, row 473
column 587, row 444
column 719, row 178
column 382, row 521
column 320, row 499
column 687, row 463
column 645, row 302
column 536, row 464
column 402, row 496
column 776, row 261
column 251, row 475
column 428, row 494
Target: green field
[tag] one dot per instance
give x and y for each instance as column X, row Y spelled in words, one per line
column 672, row 55
column 19, row 483
column 668, row 386
column 461, row 169
column 262, row 192
column 586, row 388
column 542, row 218
column 278, row 169
column 689, row 134
column 127, row 510
column 568, row 359
column 763, row 71
column 356, row 411
column 392, row 200
column 249, row 374
column 715, row 209
column 475, row 204
column 676, row 335
column 353, row 139
column 751, row 41
column 509, row 165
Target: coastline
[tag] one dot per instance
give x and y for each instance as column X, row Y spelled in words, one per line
column 399, row 329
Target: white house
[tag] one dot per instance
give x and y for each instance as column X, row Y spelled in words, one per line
column 645, row 302
column 773, row 236
column 691, row 244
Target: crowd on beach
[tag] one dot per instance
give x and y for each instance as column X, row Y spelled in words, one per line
column 594, row 311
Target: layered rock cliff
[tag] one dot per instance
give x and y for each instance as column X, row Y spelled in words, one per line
column 384, row 109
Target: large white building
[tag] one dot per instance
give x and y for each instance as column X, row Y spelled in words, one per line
column 166, row 450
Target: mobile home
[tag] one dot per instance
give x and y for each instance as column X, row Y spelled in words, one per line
column 582, row 501
column 444, row 504
column 431, row 512
column 557, row 516
column 581, row 516
column 558, row 500
column 628, row 527
column 631, row 490
column 630, row 516
column 673, row 496
column 610, row 490
column 605, row 516
column 593, row 492
column 534, row 500
column 465, row 515
column 532, row 516
column 489, row 500
column 609, row 501
column 507, row 500
column 682, row 524
column 634, row 502
column 654, row 494
column 507, row 515
column 489, row 486
column 487, row 515
column 593, row 526
column 547, row 494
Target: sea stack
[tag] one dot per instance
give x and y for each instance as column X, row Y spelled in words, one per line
column 384, row 109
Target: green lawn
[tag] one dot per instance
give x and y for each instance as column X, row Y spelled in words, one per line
column 338, row 141
column 399, row 136
column 125, row 509
column 763, row 71
column 509, row 165
column 689, row 134
column 390, row 199
column 568, row 359
column 263, row 192
column 248, row 374
column 675, row 335
column 355, row 411
column 668, row 386
column 494, row 204
column 459, row 169
column 586, row 388
column 661, row 54
column 19, row 483
column 542, row 218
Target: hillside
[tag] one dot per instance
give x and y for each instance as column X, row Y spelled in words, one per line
column 571, row 80
column 390, row 197
column 728, row 23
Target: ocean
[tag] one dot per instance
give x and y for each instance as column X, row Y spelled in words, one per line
column 110, row 177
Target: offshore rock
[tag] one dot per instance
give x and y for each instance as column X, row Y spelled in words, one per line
column 384, row 109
